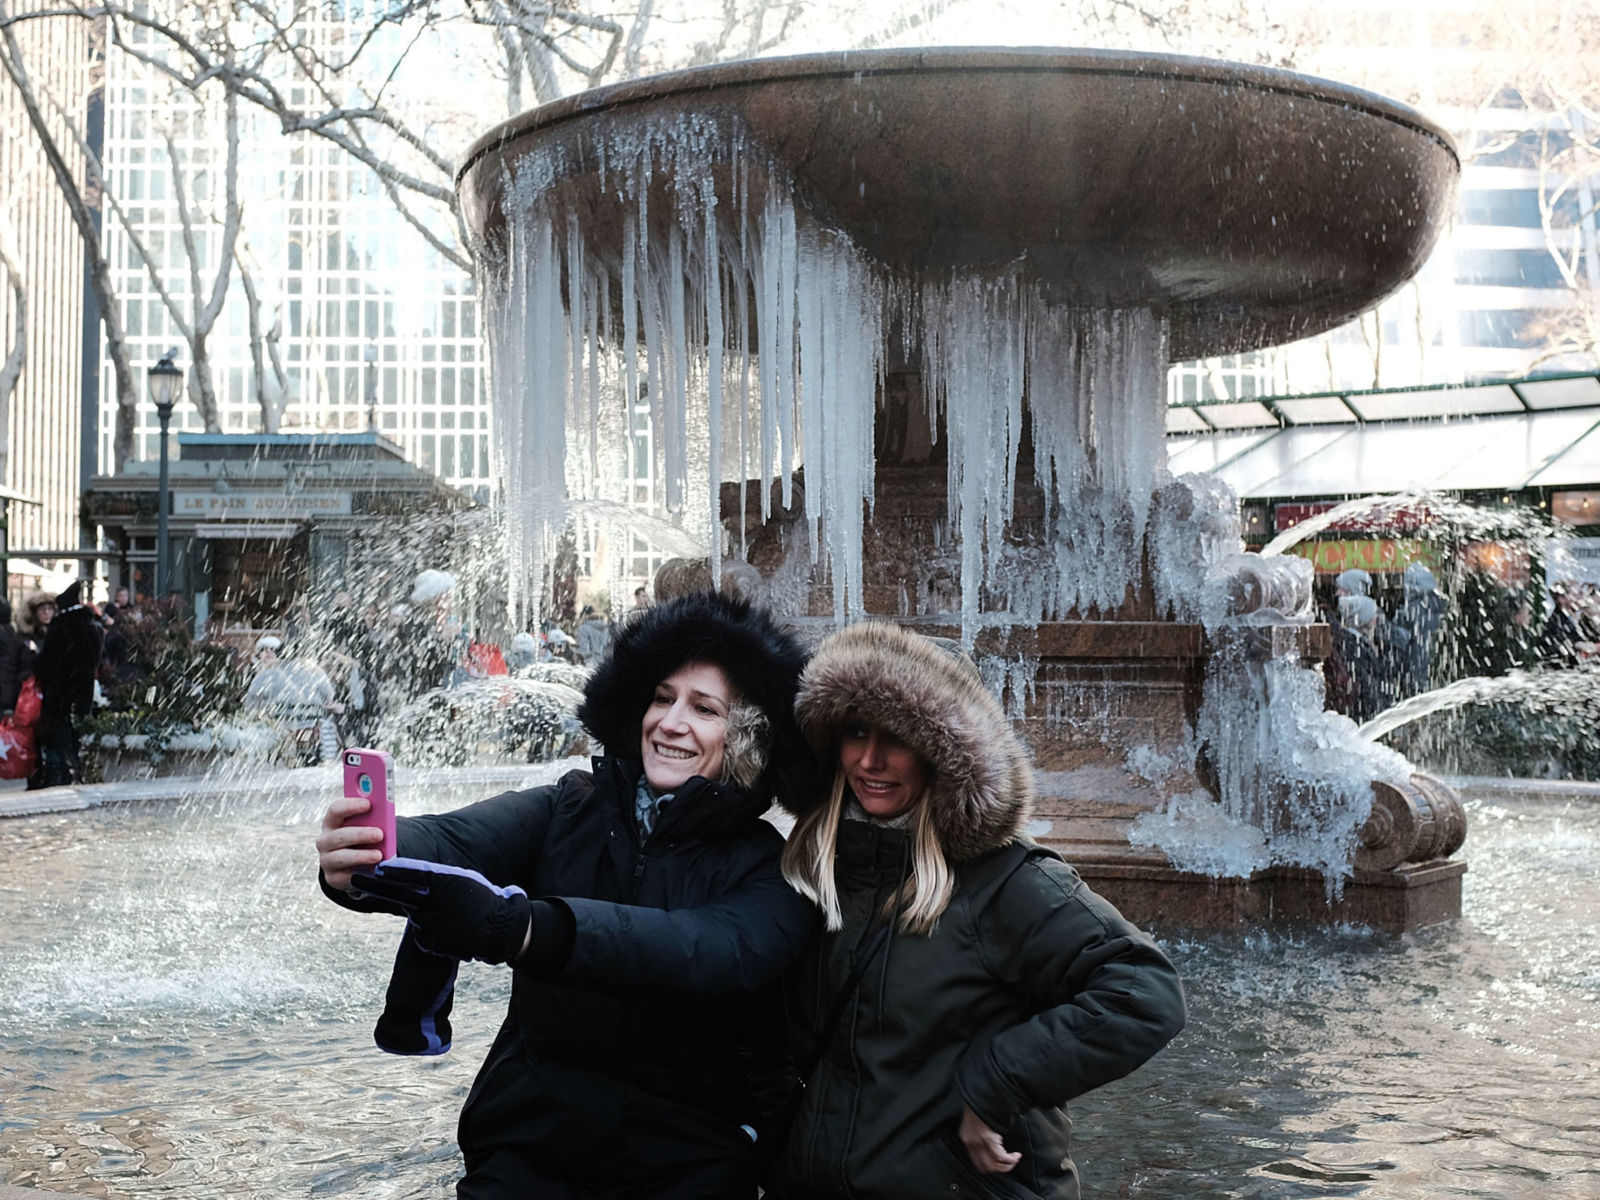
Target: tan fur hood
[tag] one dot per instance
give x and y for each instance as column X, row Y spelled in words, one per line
column 935, row 702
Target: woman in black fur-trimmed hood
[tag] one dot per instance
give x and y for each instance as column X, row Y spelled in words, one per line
column 996, row 986
column 644, row 993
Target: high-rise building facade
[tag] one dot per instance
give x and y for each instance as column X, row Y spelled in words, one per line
column 357, row 321
column 1519, row 258
column 43, row 422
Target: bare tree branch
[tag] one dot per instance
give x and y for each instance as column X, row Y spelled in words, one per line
column 272, row 400
column 637, row 37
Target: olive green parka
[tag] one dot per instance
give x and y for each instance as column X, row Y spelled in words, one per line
column 1030, row 991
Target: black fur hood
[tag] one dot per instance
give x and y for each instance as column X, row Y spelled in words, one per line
column 933, row 700
column 765, row 753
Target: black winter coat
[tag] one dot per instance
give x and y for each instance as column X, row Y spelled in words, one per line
column 66, row 667
column 1031, row 991
column 16, row 664
column 631, row 1071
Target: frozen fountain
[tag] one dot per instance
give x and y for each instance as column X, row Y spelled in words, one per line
column 893, row 327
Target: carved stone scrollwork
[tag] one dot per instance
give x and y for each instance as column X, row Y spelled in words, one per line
column 1418, row 822
column 1445, row 829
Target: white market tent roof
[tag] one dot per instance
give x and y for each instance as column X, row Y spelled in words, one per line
column 1504, row 435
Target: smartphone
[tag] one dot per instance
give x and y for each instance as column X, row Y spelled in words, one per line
column 367, row 775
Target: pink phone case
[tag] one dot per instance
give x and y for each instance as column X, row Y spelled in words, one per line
column 366, row 776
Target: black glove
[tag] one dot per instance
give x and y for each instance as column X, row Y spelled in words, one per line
column 453, row 911
column 416, row 1008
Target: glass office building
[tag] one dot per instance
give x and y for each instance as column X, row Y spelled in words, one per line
column 361, row 322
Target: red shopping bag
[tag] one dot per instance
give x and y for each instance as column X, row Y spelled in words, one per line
column 19, row 753
column 484, row 658
column 26, row 714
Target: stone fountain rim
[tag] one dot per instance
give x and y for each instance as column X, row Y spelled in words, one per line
column 968, row 59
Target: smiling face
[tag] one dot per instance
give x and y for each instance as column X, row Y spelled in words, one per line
column 685, row 728
column 886, row 775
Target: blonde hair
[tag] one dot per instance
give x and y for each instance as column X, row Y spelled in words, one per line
column 808, row 865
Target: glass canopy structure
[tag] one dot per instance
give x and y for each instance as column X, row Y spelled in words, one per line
column 1506, row 435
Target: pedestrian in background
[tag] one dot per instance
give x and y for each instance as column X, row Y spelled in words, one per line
column 66, row 667
column 1372, row 659
column 10, row 661
column 594, row 636
column 1353, row 582
column 558, row 642
column 524, row 652
column 297, row 694
column 423, row 653
column 1420, row 614
column 1568, row 638
column 39, row 610
column 118, row 602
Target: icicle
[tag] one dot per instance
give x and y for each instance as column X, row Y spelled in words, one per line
column 741, row 278
column 598, row 292
column 630, row 318
column 576, row 302
column 784, row 349
column 674, row 373
column 810, row 391
column 768, row 281
column 711, row 262
column 655, row 374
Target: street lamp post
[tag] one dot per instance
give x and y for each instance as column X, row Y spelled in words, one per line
column 165, row 382
column 370, row 353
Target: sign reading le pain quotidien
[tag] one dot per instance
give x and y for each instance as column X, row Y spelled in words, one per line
column 223, row 506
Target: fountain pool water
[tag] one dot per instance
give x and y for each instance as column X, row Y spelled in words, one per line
column 184, row 1015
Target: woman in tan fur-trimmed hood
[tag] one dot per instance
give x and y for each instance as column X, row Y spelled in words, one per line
column 969, row 984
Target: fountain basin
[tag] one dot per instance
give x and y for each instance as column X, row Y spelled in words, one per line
column 185, row 1015
column 1251, row 206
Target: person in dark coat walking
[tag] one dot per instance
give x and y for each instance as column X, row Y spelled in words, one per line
column 10, row 661
column 1372, row 659
column 638, row 1056
column 1420, row 615
column 969, row 983
column 594, row 635
column 1568, row 639
column 20, row 655
column 65, row 669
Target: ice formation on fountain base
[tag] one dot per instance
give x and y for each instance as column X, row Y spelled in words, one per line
column 1292, row 781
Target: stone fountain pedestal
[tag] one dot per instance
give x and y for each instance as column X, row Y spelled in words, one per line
column 1062, row 219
